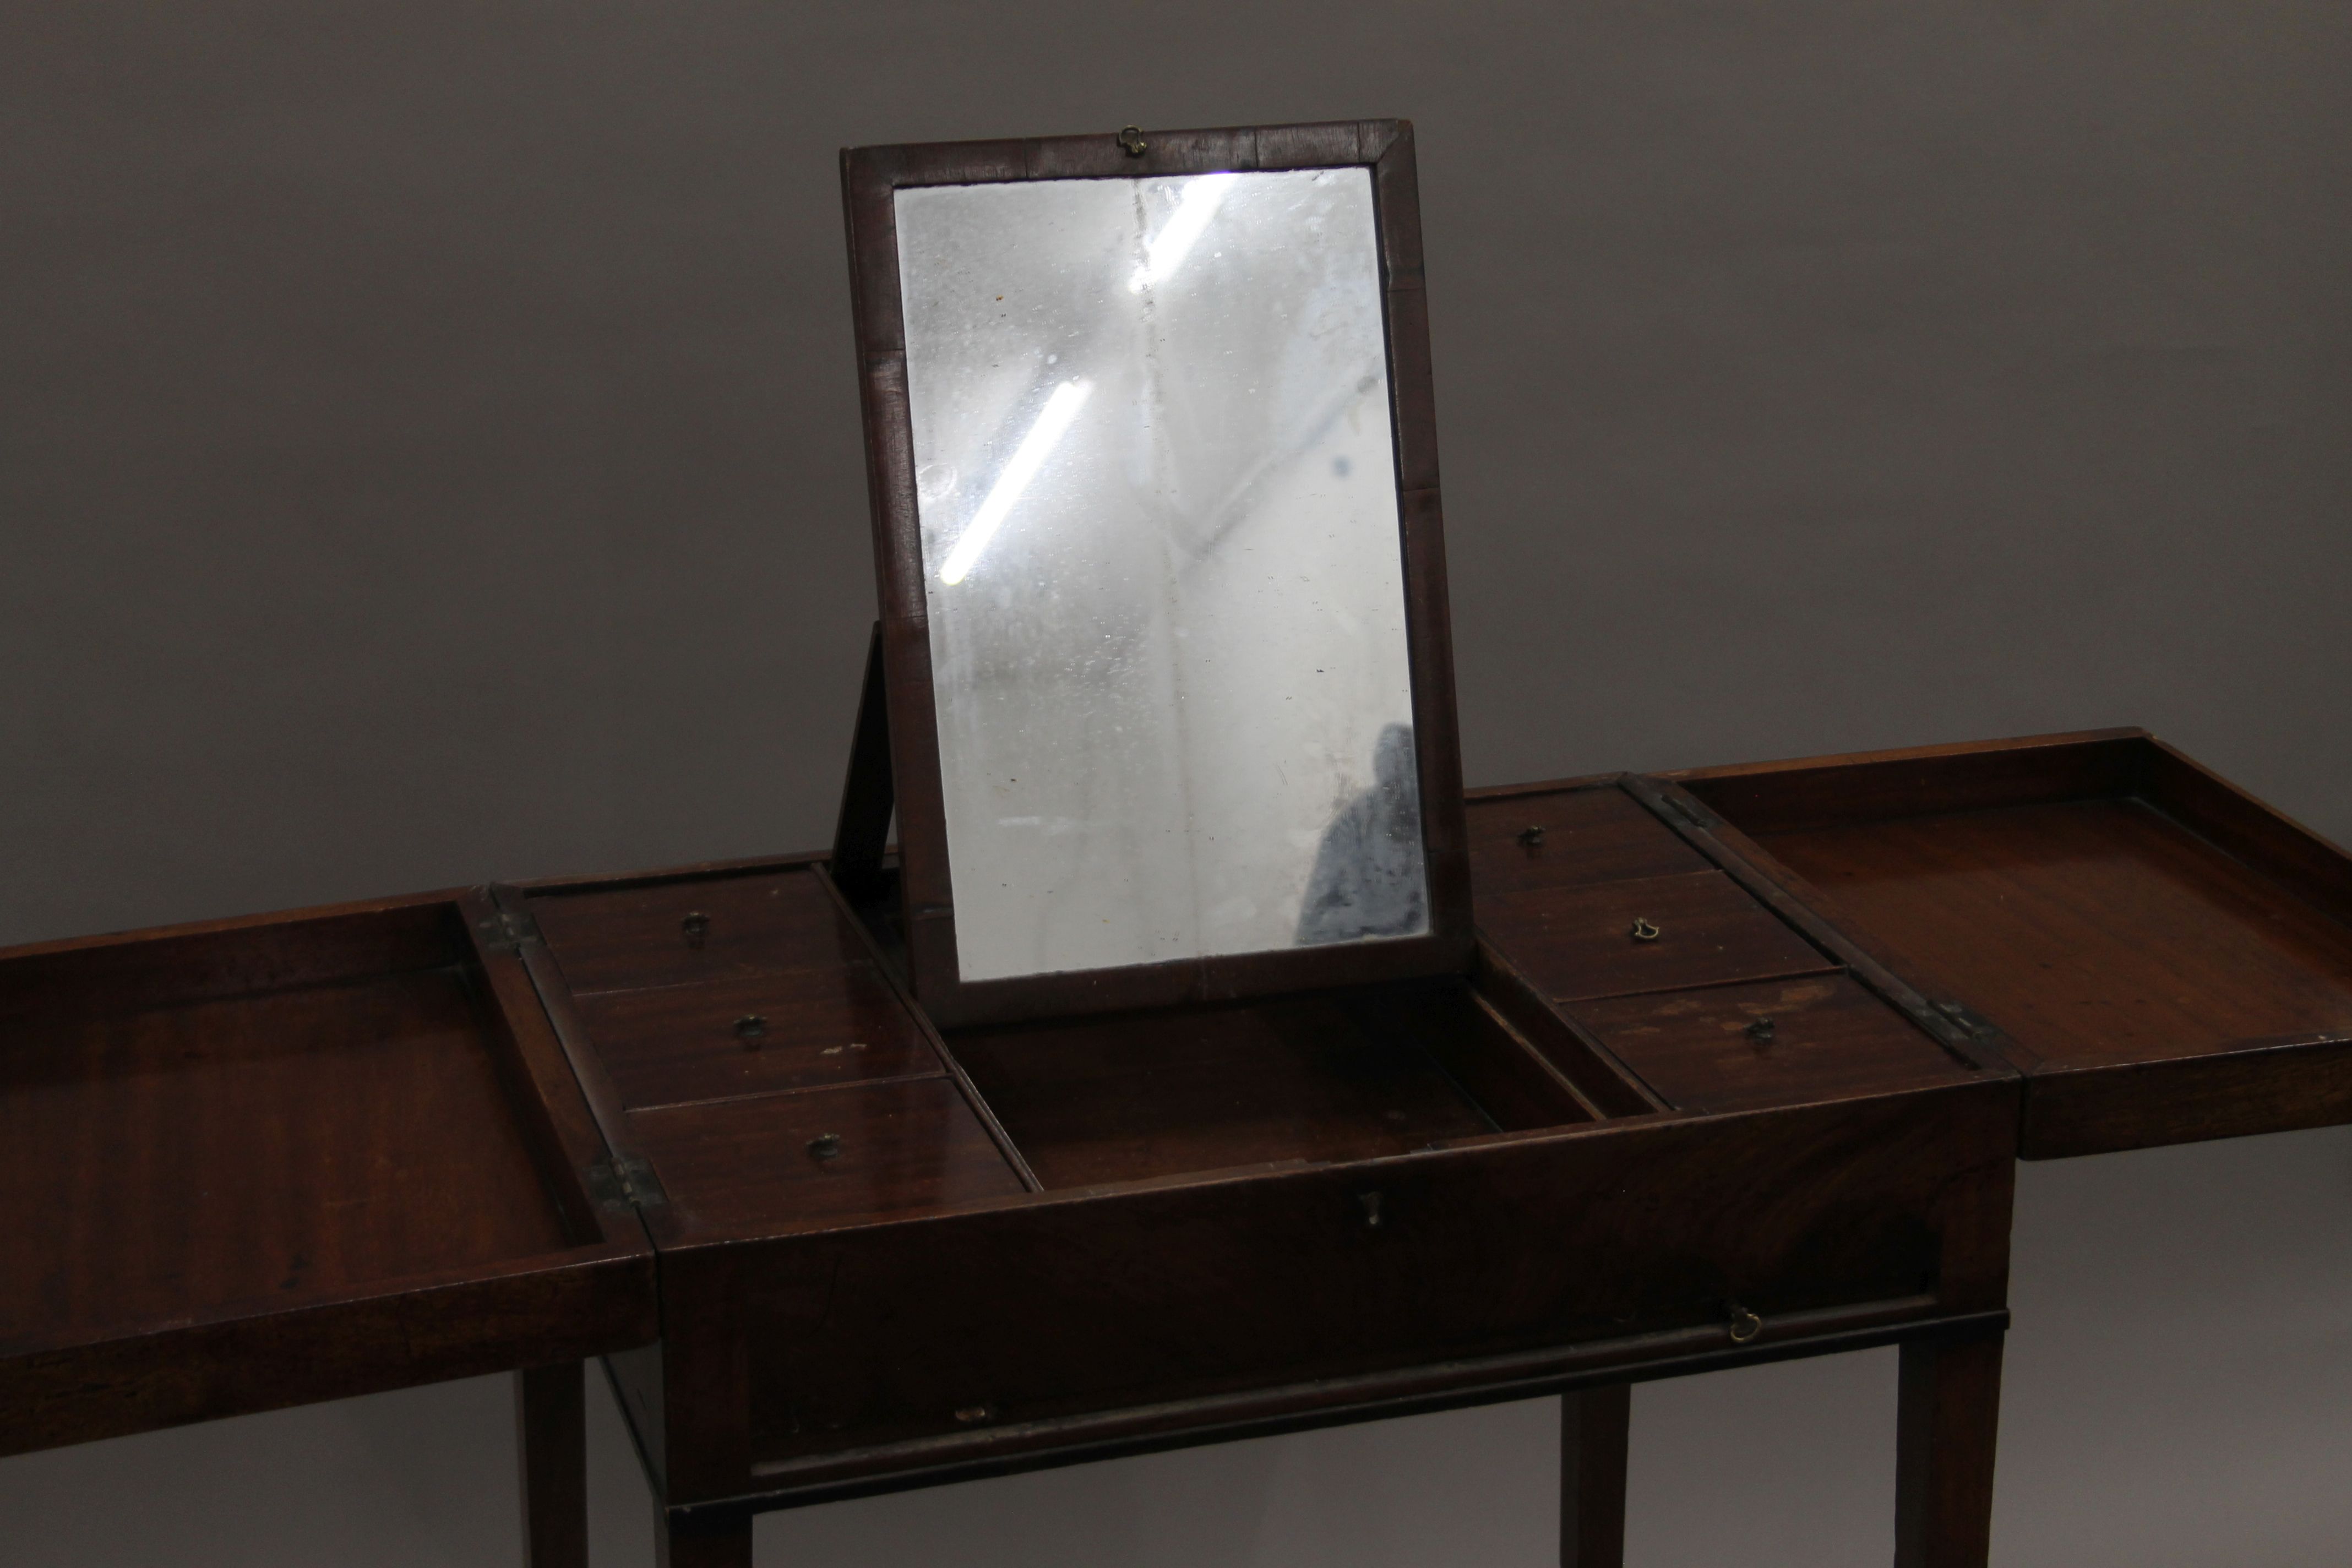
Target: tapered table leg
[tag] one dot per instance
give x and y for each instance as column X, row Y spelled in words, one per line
column 1593, row 1427
column 552, row 1443
column 1946, row 1426
column 702, row 1543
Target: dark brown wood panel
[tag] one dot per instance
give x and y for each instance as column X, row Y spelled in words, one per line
column 1155, row 1094
column 271, row 1150
column 1116, row 1300
column 1784, row 1042
column 761, row 1034
column 1580, row 942
column 2093, row 932
column 789, row 1162
column 649, row 934
column 1571, row 838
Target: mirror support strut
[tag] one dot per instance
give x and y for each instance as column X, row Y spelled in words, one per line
column 868, row 795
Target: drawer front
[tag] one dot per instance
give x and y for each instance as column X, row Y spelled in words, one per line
column 1571, row 838
column 758, row 1034
column 1783, row 1042
column 1072, row 1304
column 683, row 933
column 1654, row 933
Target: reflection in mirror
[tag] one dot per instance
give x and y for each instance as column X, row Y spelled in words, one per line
column 1162, row 567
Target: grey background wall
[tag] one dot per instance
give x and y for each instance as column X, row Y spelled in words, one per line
column 428, row 453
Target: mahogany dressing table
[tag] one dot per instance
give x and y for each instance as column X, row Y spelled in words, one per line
column 1651, row 1075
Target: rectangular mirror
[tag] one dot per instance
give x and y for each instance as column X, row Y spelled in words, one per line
column 1170, row 715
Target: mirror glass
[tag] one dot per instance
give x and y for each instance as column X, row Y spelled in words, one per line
column 1163, row 566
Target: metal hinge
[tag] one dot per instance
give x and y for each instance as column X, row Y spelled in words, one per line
column 506, row 931
column 1975, row 1026
column 625, row 1181
column 1689, row 811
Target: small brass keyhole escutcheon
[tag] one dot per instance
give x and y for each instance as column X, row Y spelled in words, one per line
column 697, row 927
column 1644, row 932
column 1745, row 1325
column 1131, row 142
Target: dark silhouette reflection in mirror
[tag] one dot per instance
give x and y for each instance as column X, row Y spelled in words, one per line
column 1369, row 879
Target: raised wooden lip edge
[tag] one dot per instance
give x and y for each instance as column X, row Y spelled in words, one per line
column 870, row 175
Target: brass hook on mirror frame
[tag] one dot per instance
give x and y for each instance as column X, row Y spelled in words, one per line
column 1131, row 142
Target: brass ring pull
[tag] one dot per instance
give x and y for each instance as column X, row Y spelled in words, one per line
column 1745, row 1325
column 1131, row 142
column 1644, row 932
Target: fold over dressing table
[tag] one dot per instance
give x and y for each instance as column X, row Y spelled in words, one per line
column 1061, row 1130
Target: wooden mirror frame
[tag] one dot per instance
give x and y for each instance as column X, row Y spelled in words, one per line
column 870, row 176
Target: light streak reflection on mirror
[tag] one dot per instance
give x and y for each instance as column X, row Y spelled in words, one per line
column 1204, row 194
column 1052, row 421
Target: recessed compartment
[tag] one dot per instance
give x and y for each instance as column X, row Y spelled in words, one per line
column 1320, row 1079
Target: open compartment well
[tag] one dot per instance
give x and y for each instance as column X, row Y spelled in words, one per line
column 2166, row 958
column 763, row 1055
column 234, row 1145
column 1319, row 1078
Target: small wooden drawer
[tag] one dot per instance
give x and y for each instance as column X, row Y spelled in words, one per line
column 828, row 1158
column 1785, row 1042
column 679, row 932
column 1657, row 933
column 761, row 1034
column 1593, row 834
